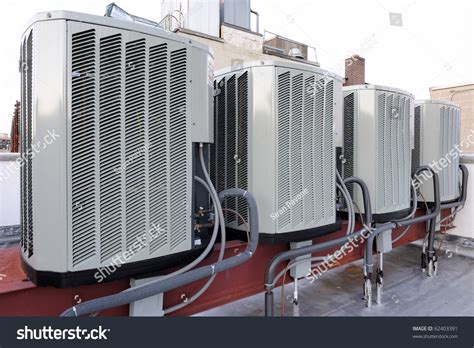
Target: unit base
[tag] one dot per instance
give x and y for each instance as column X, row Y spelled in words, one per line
column 137, row 269
column 295, row 236
column 387, row 217
column 379, row 218
column 432, row 204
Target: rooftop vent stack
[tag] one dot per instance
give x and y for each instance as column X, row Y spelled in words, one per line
column 115, row 113
column 274, row 137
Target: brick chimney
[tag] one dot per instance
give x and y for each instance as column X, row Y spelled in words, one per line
column 355, row 71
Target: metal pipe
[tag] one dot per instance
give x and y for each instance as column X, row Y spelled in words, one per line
column 258, row 19
column 160, row 286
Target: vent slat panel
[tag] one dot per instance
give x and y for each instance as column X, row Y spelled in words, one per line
column 219, row 139
column 83, row 110
column 308, row 143
column 318, row 149
column 110, row 133
column 328, row 153
column 296, row 147
column 135, row 140
column 159, row 140
column 23, row 148
column 283, row 145
column 242, row 146
column 29, row 135
column 231, row 146
column 349, row 113
column 179, row 183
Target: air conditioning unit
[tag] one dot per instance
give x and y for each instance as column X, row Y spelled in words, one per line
column 274, row 137
column 110, row 111
column 376, row 147
column 436, row 134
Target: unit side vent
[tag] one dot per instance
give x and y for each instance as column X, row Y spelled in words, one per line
column 229, row 153
column 348, row 145
column 26, row 126
column 416, row 154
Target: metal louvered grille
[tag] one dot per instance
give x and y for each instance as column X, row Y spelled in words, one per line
column 179, row 202
column 283, row 146
column 131, row 169
column 305, row 150
column 348, row 146
column 231, row 145
column 110, row 135
column 393, row 167
column 83, row 131
column 229, row 153
column 135, row 136
column 417, row 132
column 158, row 136
column 26, row 126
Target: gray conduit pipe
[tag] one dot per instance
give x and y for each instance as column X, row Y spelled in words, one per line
column 291, row 254
column 462, row 199
column 161, row 286
column 365, row 195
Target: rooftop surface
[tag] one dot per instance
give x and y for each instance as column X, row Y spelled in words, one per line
column 407, row 291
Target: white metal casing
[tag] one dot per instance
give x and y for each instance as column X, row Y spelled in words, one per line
column 275, row 137
column 377, row 145
column 437, row 137
column 126, row 102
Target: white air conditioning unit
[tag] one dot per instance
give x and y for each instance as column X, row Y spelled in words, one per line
column 436, row 134
column 376, row 147
column 110, row 111
column 274, row 136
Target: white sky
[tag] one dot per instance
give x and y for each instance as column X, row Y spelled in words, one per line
column 433, row 47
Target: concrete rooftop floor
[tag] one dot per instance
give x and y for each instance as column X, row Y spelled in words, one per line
column 407, row 291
